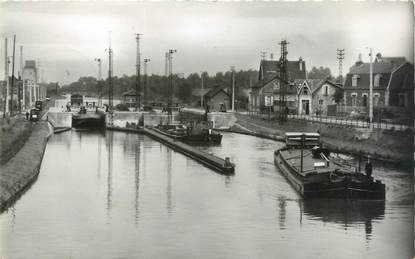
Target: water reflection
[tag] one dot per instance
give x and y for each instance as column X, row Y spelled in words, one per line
column 137, row 179
column 110, row 139
column 282, row 212
column 347, row 213
column 168, row 187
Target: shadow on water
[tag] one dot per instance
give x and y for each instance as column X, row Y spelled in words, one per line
column 345, row 213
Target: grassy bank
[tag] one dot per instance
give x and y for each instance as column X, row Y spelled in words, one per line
column 380, row 144
column 14, row 133
column 23, row 168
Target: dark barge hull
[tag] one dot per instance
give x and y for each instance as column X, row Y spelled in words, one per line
column 213, row 139
column 347, row 189
column 82, row 121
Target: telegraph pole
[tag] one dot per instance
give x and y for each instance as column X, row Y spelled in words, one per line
column 138, row 80
column 263, row 55
column 99, row 82
column 283, row 74
column 12, row 85
column 371, row 90
column 145, row 96
column 340, row 57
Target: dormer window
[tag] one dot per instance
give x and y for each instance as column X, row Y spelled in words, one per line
column 377, row 78
column 354, row 80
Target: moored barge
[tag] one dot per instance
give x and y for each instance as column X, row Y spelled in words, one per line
column 307, row 167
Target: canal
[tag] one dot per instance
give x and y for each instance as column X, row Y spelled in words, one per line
column 119, row 195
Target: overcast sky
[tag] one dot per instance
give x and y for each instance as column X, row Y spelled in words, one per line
column 208, row 36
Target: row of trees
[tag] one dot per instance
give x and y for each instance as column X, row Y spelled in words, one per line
column 157, row 86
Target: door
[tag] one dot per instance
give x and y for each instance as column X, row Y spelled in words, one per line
column 306, row 107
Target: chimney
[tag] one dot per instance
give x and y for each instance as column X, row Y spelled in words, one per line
column 359, row 60
column 300, row 62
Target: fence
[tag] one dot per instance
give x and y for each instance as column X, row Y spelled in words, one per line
column 356, row 123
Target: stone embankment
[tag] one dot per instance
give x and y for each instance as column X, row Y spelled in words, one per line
column 22, row 167
column 386, row 145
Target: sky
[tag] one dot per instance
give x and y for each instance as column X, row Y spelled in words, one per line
column 66, row 37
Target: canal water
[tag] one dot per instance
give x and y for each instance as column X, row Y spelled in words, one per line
column 120, row 195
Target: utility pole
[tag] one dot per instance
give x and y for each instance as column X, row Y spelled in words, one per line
column 6, row 78
column 371, row 90
column 138, row 80
column 12, row 85
column 263, row 55
column 99, row 82
column 340, row 57
column 20, row 82
column 145, row 96
column 283, row 75
column 169, row 109
column 233, row 87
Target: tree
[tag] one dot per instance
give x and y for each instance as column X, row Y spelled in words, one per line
column 185, row 91
column 320, row 73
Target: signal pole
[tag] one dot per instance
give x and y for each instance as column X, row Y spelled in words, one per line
column 340, row 57
column 138, row 79
column 283, row 74
column 145, row 95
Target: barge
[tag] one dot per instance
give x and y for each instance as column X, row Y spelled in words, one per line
column 307, row 167
column 193, row 133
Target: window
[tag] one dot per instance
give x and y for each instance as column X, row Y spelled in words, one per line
column 326, row 90
column 320, row 102
column 305, row 92
column 402, row 100
column 364, row 100
column 355, row 80
column 376, row 82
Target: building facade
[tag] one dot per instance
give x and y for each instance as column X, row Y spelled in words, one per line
column 268, row 83
column 392, row 79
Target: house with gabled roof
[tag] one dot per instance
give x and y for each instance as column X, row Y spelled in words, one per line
column 268, row 83
column 393, row 79
column 325, row 93
column 217, row 98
